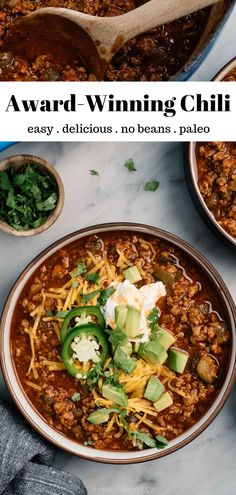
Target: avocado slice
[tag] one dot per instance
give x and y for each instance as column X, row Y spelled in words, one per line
column 126, row 363
column 114, row 394
column 136, row 346
column 127, row 348
column 154, row 389
column 132, row 274
column 177, row 359
column 164, row 402
column 152, row 352
column 121, row 312
column 165, row 338
column 163, row 356
column 98, row 417
column 132, row 322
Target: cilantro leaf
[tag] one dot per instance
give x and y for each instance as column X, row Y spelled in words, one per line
column 161, row 442
column 112, row 375
column 152, row 186
column 105, row 294
column 94, row 375
column 92, row 277
column 49, row 313
column 118, row 337
column 5, row 183
column 88, row 443
column 126, row 363
column 123, row 421
column 94, row 172
column 62, row 314
column 142, row 438
column 129, row 164
column 79, row 270
column 49, row 203
column 11, row 199
column 87, row 297
column 153, row 318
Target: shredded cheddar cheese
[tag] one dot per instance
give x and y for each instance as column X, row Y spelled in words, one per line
column 54, row 365
column 33, row 385
column 110, row 424
column 32, row 334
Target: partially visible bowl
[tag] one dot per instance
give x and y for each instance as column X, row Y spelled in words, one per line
column 220, row 13
column 17, row 161
column 192, row 175
column 227, row 69
column 35, row 418
column 4, row 145
column 192, row 183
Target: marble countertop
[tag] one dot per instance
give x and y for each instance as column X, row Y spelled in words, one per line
column 207, row 465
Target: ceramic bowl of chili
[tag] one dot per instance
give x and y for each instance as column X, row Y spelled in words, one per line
column 171, row 51
column 31, row 195
column 218, row 17
column 228, row 72
column 177, row 265
column 217, row 205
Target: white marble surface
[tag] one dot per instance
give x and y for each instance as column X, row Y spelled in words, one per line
column 221, row 53
column 207, row 466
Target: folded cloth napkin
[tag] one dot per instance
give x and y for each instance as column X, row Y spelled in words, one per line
column 26, row 461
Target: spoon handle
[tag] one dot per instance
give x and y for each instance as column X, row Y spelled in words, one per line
column 156, row 12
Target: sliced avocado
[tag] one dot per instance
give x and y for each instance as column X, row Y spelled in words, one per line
column 136, row 346
column 177, row 359
column 121, row 312
column 163, row 356
column 132, row 322
column 132, row 274
column 164, row 402
column 126, row 363
column 127, row 348
column 165, row 338
column 152, row 352
column 166, row 277
column 98, row 417
column 115, row 394
column 154, row 389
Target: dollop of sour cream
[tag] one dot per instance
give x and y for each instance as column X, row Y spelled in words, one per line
column 143, row 299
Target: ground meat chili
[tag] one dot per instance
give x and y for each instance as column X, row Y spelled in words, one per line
column 216, row 164
column 231, row 77
column 190, row 314
column 155, row 56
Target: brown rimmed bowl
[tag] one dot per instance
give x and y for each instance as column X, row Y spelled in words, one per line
column 191, row 174
column 219, row 14
column 229, row 67
column 37, row 421
column 192, row 177
column 17, row 161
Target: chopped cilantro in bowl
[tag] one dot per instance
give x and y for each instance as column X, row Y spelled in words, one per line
column 31, row 195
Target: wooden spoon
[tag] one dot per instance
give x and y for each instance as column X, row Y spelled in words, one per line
column 93, row 40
